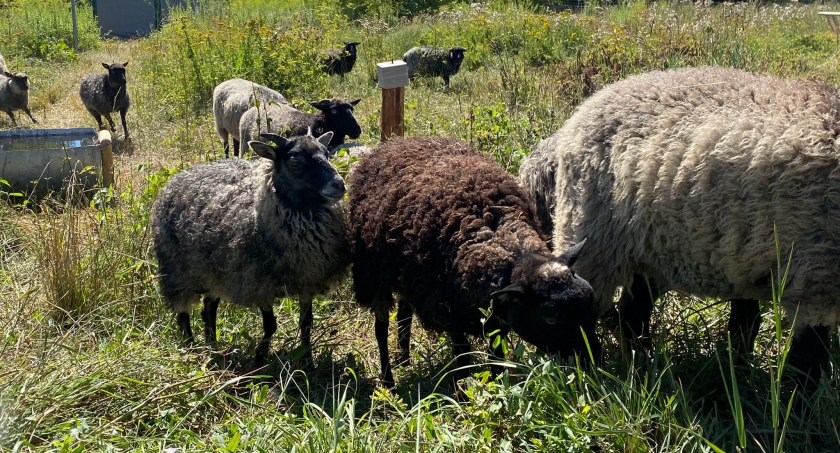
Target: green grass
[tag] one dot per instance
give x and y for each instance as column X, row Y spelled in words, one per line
column 92, row 359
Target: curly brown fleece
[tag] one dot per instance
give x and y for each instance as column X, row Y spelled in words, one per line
column 445, row 227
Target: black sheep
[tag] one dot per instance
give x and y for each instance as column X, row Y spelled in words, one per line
column 449, row 231
column 341, row 61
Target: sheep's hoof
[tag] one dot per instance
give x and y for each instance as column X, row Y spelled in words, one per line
column 402, row 359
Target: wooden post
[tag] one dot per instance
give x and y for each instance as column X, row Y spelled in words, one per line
column 393, row 77
column 393, row 113
column 107, row 158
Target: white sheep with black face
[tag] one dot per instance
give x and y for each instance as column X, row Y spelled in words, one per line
column 688, row 176
column 250, row 232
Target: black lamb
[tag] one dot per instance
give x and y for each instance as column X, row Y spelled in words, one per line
column 449, row 231
column 341, row 61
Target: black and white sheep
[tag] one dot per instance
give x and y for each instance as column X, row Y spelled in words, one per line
column 341, row 61
column 14, row 94
column 335, row 115
column 433, row 61
column 250, row 232
column 105, row 93
column 688, row 176
column 449, row 231
column 231, row 99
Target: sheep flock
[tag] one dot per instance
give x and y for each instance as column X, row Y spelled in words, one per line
column 691, row 180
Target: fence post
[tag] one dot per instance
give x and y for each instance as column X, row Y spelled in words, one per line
column 392, row 78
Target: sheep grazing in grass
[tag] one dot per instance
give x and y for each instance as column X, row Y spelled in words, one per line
column 250, row 232
column 341, row 61
column 449, row 231
column 105, row 93
column 433, row 61
column 689, row 176
column 335, row 115
column 231, row 99
column 14, row 94
column 538, row 175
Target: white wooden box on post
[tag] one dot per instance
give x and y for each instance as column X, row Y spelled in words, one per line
column 392, row 77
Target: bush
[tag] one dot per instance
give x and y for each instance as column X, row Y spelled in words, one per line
column 44, row 29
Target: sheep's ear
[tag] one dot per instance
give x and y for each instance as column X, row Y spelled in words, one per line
column 263, row 149
column 509, row 293
column 106, row 66
column 8, row 74
column 323, row 104
column 325, row 138
column 125, row 64
column 278, row 140
column 571, row 255
column 354, row 102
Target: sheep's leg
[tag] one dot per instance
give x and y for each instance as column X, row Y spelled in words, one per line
column 183, row 319
column 98, row 118
column 208, row 315
column 809, row 354
column 122, row 118
column 634, row 310
column 12, row 116
column 236, row 150
column 446, row 80
column 305, row 324
column 404, row 317
column 381, row 328
column 110, row 122
column 269, row 327
column 31, row 117
column 744, row 320
column 461, row 349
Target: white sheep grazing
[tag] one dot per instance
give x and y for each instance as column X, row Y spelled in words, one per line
column 686, row 176
column 231, row 99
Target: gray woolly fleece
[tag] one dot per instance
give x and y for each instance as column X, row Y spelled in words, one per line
column 221, row 230
column 682, row 175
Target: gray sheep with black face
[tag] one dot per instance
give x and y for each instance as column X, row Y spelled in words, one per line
column 334, row 115
column 252, row 232
column 105, row 93
column 14, row 94
column 452, row 234
column 434, row 61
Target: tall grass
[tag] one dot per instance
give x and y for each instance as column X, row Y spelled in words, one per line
column 43, row 29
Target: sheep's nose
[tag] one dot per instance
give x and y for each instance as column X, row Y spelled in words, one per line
column 334, row 189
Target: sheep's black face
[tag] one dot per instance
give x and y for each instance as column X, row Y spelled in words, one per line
column 350, row 47
column 303, row 174
column 338, row 115
column 456, row 55
column 20, row 81
column 552, row 308
column 116, row 74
